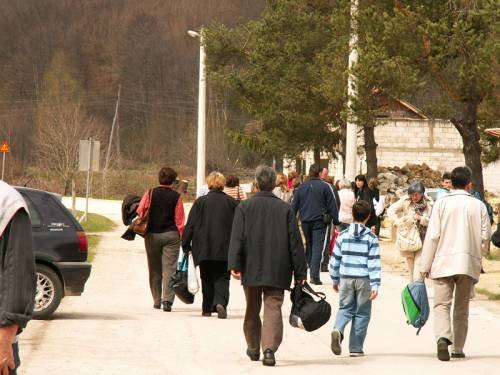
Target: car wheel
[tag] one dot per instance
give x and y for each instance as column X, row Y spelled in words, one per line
column 49, row 292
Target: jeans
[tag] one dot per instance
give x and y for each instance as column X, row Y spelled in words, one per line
column 315, row 233
column 17, row 361
column 355, row 307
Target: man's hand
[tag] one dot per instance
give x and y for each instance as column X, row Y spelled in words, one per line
column 373, row 295
column 336, row 288
column 236, row 274
column 7, row 335
column 424, row 275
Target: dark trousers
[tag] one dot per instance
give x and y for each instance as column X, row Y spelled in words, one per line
column 17, row 361
column 315, row 234
column 162, row 250
column 214, row 284
column 326, row 251
column 269, row 333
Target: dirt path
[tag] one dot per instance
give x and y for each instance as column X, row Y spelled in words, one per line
column 113, row 329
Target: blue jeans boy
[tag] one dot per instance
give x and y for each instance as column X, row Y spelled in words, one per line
column 355, row 307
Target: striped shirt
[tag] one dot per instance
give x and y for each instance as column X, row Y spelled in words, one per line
column 235, row 192
column 356, row 255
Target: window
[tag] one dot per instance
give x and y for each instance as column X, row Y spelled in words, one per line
column 36, row 220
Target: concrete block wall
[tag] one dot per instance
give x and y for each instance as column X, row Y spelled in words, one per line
column 400, row 141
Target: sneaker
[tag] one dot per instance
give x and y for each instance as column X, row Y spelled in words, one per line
column 156, row 306
column 253, row 355
column 269, row 359
column 167, row 306
column 458, row 355
column 356, row 354
column 316, row 281
column 442, row 349
column 206, row 313
column 221, row 312
column 336, row 342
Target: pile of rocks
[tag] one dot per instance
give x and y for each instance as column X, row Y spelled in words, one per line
column 394, row 179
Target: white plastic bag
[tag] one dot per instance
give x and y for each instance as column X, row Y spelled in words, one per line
column 193, row 285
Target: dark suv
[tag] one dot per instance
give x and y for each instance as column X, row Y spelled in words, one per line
column 60, row 247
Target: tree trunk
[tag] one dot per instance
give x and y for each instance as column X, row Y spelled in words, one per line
column 370, row 150
column 317, row 156
column 343, row 141
column 468, row 129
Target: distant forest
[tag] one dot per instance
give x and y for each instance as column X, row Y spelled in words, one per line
column 62, row 61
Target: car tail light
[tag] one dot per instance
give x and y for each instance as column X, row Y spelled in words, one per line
column 82, row 242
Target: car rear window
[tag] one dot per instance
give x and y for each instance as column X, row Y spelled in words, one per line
column 53, row 214
column 36, row 220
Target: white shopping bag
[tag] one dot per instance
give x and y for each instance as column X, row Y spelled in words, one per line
column 193, row 285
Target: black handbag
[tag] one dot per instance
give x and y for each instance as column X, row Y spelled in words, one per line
column 179, row 283
column 307, row 313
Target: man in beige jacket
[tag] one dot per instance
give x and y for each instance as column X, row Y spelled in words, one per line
column 451, row 256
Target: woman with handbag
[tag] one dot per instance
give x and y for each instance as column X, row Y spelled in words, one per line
column 161, row 214
column 362, row 192
column 411, row 216
column 207, row 236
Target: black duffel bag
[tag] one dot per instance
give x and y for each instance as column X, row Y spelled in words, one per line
column 495, row 238
column 179, row 283
column 307, row 313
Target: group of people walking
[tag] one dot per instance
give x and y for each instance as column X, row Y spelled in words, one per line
column 258, row 241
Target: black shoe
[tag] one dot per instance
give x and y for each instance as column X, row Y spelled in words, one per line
column 458, row 355
column 316, row 281
column 254, row 356
column 324, row 269
column 221, row 311
column 442, row 349
column 269, row 359
column 482, row 270
column 156, row 306
column 206, row 313
column 336, row 342
column 167, row 306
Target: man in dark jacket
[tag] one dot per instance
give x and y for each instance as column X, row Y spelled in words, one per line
column 265, row 250
column 17, row 275
column 315, row 202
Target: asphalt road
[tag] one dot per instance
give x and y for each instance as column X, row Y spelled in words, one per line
column 113, row 329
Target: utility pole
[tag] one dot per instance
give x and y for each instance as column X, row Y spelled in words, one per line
column 351, row 133
column 108, row 154
column 202, row 92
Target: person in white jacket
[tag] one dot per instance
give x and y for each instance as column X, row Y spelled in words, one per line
column 451, row 256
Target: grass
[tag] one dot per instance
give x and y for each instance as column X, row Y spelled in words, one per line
column 94, row 225
column 491, row 296
column 494, row 254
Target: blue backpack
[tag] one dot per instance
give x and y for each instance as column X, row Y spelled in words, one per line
column 415, row 304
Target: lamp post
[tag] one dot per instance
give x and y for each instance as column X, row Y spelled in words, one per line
column 351, row 133
column 202, row 89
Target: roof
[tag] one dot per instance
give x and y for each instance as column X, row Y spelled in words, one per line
column 412, row 108
column 493, row 131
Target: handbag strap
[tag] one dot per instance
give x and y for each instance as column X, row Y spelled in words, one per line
column 310, row 290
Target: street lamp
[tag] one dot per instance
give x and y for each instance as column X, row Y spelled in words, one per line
column 202, row 89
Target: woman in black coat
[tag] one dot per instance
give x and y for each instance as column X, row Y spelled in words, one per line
column 364, row 193
column 207, row 235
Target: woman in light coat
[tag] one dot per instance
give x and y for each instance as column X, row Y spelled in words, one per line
column 347, row 200
column 416, row 208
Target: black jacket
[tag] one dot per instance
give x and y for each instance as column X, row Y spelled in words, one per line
column 208, row 228
column 266, row 246
column 17, row 272
column 313, row 199
column 366, row 194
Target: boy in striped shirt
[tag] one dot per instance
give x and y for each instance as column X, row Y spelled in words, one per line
column 355, row 270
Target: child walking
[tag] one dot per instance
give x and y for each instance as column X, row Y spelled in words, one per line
column 355, row 270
